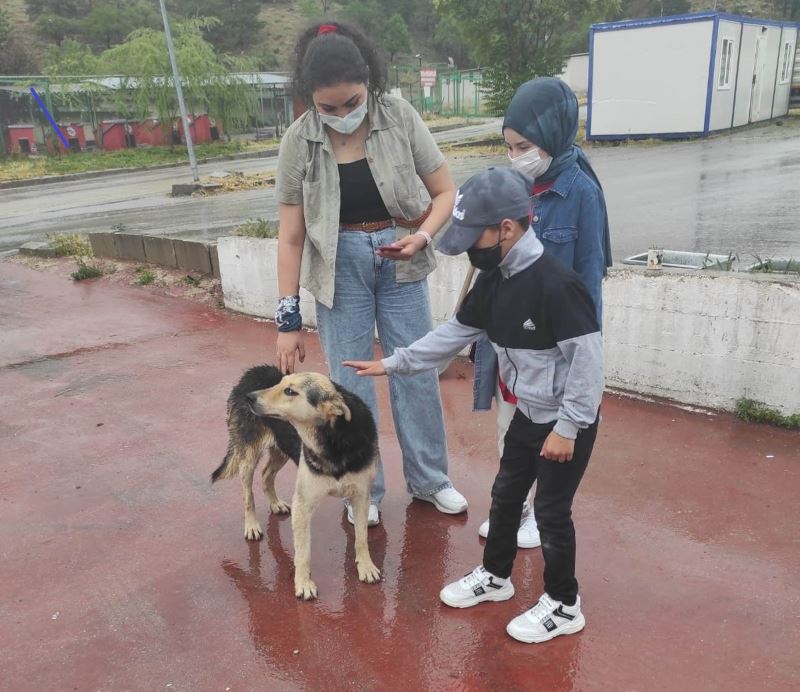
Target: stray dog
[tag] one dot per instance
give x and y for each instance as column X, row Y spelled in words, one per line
column 327, row 431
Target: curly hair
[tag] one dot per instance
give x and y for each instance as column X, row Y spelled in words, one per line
column 345, row 55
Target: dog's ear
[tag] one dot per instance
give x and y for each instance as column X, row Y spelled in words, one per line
column 334, row 408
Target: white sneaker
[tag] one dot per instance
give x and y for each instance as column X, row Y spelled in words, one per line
column 478, row 586
column 547, row 619
column 527, row 535
column 373, row 518
column 449, row 501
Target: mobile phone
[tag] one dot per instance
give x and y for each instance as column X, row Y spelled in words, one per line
column 391, row 247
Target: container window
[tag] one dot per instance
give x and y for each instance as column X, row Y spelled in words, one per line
column 786, row 62
column 726, row 58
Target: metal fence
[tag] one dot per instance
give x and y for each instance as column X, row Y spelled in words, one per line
column 456, row 92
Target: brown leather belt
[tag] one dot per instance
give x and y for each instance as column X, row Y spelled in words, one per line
column 370, row 226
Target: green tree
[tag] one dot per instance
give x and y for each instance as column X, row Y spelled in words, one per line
column 110, row 23
column 99, row 23
column 311, row 9
column 638, row 9
column 787, row 9
column 395, row 37
column 16, row 57
column 314, row 9
column 5, row 27
column 68, row 65
column 71, row 58
column 368, row 15
column 238, row 27
column 209, row 82
column 520, row 39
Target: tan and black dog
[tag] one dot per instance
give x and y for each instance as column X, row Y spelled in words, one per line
column 331, row 436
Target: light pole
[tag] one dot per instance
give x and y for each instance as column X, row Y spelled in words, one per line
column 177, row 79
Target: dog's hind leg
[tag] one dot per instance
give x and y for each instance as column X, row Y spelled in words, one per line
column 367, row 571
column 275, row 461
column 247, row 468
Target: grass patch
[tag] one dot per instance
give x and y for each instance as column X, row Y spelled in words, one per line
column 145, row 276
column 18, row 167
column 70, row 244
column 87, row 270
column 257, row 228
column 756, row 412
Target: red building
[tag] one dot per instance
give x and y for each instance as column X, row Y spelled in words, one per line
column 117, row 134
column 21, row 139
column 202, row 128
column 73, row 133
column 148, row 132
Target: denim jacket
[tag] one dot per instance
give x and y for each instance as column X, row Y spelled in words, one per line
column 569, row 219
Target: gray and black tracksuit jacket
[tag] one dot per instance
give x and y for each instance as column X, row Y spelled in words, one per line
column 542, row 324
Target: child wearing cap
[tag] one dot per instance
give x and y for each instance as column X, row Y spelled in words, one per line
column 542, row 324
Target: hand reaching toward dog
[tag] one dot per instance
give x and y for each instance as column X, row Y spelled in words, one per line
column 289, row 346
column 366, row 368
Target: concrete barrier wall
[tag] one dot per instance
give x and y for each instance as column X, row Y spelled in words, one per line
column 705, row 338
column 701, row 338
column 191, row 255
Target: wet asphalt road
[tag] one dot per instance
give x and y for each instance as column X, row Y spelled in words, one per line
column 735, row 193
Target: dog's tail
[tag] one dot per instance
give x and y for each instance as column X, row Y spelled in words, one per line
column 227, row 469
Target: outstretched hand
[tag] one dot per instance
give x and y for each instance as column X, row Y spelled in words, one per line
column 366, row 368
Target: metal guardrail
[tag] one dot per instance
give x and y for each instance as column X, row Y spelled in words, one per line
column 686, row 260
column 678, row 259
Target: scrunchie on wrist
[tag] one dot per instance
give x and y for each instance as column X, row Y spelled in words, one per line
column 287, row 316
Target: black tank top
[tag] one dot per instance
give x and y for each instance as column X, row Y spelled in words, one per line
column 359, row 199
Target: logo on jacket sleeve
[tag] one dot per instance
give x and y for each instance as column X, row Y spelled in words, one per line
column 529, row 325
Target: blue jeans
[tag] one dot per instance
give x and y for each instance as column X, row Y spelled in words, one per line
column 366, row 294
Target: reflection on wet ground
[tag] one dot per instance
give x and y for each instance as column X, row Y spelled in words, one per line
column 123, row 569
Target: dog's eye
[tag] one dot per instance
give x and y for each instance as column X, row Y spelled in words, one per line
column 289, row 392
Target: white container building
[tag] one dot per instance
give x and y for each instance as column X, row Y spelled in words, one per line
column 687, row 75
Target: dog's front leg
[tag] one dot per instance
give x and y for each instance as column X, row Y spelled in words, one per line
column 367, row 571
column 302, row 509
column 252, row 529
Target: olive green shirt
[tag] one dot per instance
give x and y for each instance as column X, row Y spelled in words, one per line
column 399, row 149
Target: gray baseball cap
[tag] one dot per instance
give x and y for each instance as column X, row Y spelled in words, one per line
column 484, row 200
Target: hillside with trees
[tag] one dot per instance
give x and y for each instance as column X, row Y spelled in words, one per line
column 513, row 39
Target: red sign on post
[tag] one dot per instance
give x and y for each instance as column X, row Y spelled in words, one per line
column 427, row 78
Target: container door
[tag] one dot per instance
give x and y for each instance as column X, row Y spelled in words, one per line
column 759, row 68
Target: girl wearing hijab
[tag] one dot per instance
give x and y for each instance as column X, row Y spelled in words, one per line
column 568, row 215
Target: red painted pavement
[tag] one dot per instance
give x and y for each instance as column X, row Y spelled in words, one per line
column 122, row 569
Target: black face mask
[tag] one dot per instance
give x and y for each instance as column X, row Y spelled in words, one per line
column 486, row 258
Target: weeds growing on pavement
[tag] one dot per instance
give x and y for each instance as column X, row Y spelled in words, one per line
column 145, row 276
column 70, row 244
column 87, row 270
column 756, row 412
column 258, row 228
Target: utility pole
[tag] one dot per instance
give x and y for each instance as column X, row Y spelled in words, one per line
column 179, row 89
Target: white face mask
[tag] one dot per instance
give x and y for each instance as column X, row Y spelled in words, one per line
column 530, row 163
column 349, row 123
